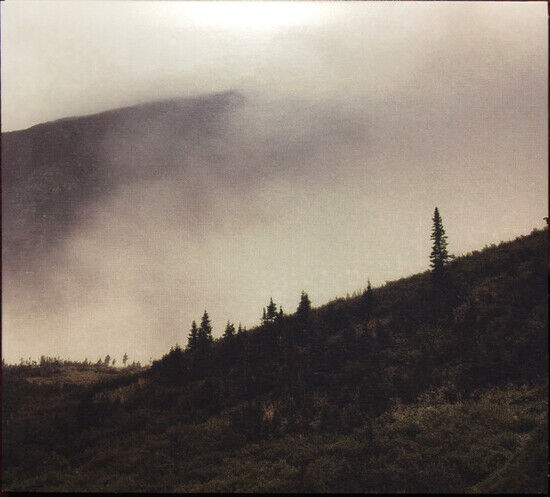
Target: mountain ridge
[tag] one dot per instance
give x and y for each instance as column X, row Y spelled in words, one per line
column 54, row 170
column 229, row 96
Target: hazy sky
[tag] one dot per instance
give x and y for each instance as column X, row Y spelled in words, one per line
column 356, row 120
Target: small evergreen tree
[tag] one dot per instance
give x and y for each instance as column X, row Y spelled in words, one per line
column 271, row 310
column 367, row 302
column 205, row 332
column 270, row 314
column 124, row 359
column 439, row 256
column 304, row 307
column 229, row 332
column 193, row 337
column 107, row 360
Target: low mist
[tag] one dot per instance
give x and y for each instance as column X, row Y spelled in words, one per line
column 316, row 173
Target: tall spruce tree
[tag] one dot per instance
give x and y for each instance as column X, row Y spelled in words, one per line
column 439, row 256
column 205, row 332
column 193, row 338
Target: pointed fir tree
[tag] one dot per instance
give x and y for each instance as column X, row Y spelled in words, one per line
column 439, row 256
column 304, row 307
column 229, row 332
column 205, row 331
column 271, row 313
column 193, row 337
column 367, row 302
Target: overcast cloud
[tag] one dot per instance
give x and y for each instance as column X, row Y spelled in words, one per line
column 348, row 123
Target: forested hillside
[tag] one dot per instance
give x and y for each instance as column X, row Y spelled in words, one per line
column 424, row 384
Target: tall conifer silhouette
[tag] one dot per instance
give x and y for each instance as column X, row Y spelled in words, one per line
column 439, row 255
column 205, row 332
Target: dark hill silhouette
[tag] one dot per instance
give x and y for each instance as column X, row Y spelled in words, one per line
column 432, row 391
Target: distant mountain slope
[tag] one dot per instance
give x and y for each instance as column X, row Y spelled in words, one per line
column 52, row 171
column 127, row 209
column 433, row 388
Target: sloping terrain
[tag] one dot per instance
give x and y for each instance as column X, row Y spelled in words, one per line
column 426, row 387
column 52, row 172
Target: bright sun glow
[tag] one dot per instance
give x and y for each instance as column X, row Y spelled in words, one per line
column 251, row 14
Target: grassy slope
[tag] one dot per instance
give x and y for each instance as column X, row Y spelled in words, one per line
column 493, row 437
column 450, row 446
column 525, row 472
